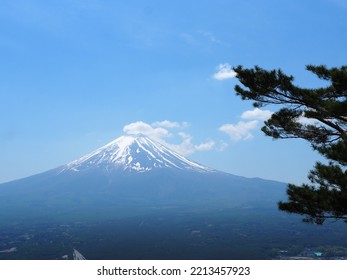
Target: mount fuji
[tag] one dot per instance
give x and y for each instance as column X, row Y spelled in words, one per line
column 131, row 172
column 135, row 198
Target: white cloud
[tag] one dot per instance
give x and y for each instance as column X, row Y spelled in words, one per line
column 186, row 147
column 146, row 129
column 184, row 135
column 159, row 133
column 240, row 131
column 256, row 114
column 243, row 129
column 224, row 71
column 205, row 146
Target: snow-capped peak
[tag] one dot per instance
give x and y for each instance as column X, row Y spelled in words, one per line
column 136, row 153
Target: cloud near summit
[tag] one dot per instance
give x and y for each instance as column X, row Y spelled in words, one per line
column 141, row 127
column 163, row 130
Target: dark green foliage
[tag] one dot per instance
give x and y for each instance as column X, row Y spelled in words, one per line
column 317, row 115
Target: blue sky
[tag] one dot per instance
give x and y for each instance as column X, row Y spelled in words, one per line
column 74, row 75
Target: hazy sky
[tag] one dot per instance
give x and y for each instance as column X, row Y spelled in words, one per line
column 74, row 75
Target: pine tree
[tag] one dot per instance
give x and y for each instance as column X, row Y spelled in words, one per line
column 325, row 110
